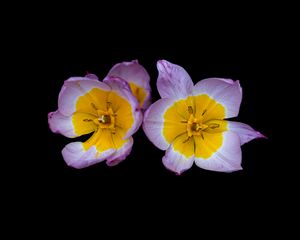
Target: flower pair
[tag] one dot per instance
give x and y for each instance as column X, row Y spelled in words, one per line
column 188, row 122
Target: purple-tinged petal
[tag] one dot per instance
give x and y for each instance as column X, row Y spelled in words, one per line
column 225, row 91
column 226, row 159
column 244, row 131
column 92, row 76
column 138, row 78
column 173, row 81
column 73, row 89
column 71, row 126
column 153, row 124
column 76, row 156
column 179, row 156
column 120, row 154
column 59, row 123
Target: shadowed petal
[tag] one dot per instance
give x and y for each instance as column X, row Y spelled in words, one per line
column 138, row 79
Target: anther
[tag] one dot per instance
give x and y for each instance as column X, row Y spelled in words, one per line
column 214, row 125
column 93, row 106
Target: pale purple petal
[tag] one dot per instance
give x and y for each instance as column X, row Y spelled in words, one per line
column 225, row 91
column 173, row 81
column 244, row 131
column 59, row 123
column 74, row 88
column 76, row 156
column 120, row 154
column 176, row 162
column 154, row 122
column 226, row 159
column 133, row 72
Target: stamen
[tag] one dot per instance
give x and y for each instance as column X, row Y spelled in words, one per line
column 190, row 110
column 108, row 105
column 214, row 125
column 202, row 136
column 105, row 119
column 93, row 106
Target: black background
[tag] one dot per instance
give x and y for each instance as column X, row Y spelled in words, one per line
column 247, row 43
column 212, row 43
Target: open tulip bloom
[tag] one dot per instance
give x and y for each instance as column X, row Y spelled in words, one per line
column 111, row 109
column 188, row 122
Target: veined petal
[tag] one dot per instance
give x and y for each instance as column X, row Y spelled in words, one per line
column 81, row 94
column 224, row 158
column 225, row 91
column 173, row 81
column 160, row 129
column 138, row 79
column 121, row 153
column 75, row 155
column 180, row 155
column 125, row 106
column 71, row 126
column 244, row 131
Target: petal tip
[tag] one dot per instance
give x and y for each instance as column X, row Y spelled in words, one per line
column 260, row 135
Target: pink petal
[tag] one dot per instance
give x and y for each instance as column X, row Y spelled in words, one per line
column 76, row 156
column 227, row 158
column 244, row 131
column 133, row 72
column 173, row 81
column 154, row 122
column 121, row 87
column 74, row 88
column 225, row 91
column 120, row 154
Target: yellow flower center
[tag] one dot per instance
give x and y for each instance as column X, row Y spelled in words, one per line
column 105, row 113
column 195, row 126
column 106, row 119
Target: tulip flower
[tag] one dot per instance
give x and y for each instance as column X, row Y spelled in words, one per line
column 189, row 121
column 108, row 109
